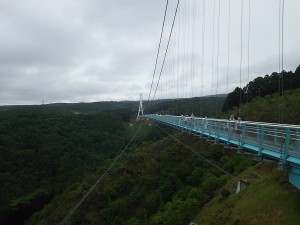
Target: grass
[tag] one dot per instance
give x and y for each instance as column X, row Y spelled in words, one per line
column 267, row 200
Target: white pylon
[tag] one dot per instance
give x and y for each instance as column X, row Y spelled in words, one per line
column 141, row 111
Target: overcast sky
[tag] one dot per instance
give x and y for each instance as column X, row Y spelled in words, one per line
column 96, row 50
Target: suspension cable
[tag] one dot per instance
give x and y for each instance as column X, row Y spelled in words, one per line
column 281, row 72
column 198, row 154
column 165, row 55
column 218, row 49
column 248, row 69
column 241, row 58
column 178, row 63
column 279, row 62
column 193, row 52
column 228, row 45
column 212, row 57
column 282, row 23
column 202, row 61
column 281, row 16
column 71, row 212
column 158, row 50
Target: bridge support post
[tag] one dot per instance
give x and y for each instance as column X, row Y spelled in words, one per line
column 275, row 135
column 298, row 140
column 217, row 133
column 242, row 138
column 294, row 175
column 287, row 144
column 261, row 142
column 229, row 132
column 282, row 165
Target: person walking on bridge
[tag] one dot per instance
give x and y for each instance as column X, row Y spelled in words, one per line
column 238, row 127
column 231, row 124
column 204, row 123
column 192, row 120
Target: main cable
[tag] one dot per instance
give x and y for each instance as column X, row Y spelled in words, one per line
column 71, row 212
column 158, row 50
column 165, row 55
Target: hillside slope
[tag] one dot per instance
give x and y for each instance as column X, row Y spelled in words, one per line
column 271, row 108
column 156, row 183
column 269, row 199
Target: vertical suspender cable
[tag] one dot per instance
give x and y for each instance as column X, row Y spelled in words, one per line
column 228, row 57
column 187, row 46
column 281, row 73
column 279, row 61
column 193, row 56
column 282, row 23
column 249, row 23
column 184, row 57
column 212, row 59
column 281, row 78
column 202, row 61
column 279, row 36
column 241, row 59
column 178, row 63
column 218, row 49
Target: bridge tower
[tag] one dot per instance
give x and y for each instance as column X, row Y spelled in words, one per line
column 141, row 111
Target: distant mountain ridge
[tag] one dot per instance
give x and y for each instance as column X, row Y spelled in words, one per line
column 76, row 108
column 196, row 105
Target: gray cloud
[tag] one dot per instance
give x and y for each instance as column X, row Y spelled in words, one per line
column 70, row 51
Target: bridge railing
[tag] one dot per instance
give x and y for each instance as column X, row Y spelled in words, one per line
column 275, row 140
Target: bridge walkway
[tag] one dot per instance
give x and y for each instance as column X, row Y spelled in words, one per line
column 277, row 141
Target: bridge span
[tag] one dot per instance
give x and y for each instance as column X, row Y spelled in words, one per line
column 280, row 142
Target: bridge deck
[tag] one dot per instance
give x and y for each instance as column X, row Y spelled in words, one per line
column 277, row 141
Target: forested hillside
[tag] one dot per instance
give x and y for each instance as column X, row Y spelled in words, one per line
column 41, row 155
column 49, row 161
column 156, row 183
column 269, row 197
column 262, row 86
column 209, row 106
column 271, row 108
column 76, row 108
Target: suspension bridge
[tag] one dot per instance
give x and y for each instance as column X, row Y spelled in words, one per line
column 279, row 142
column 276, row 141
column 180, row 78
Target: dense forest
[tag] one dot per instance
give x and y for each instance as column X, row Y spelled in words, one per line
column 42, row 154
column 271, row 108
column 155, row 183
column 262, row 86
